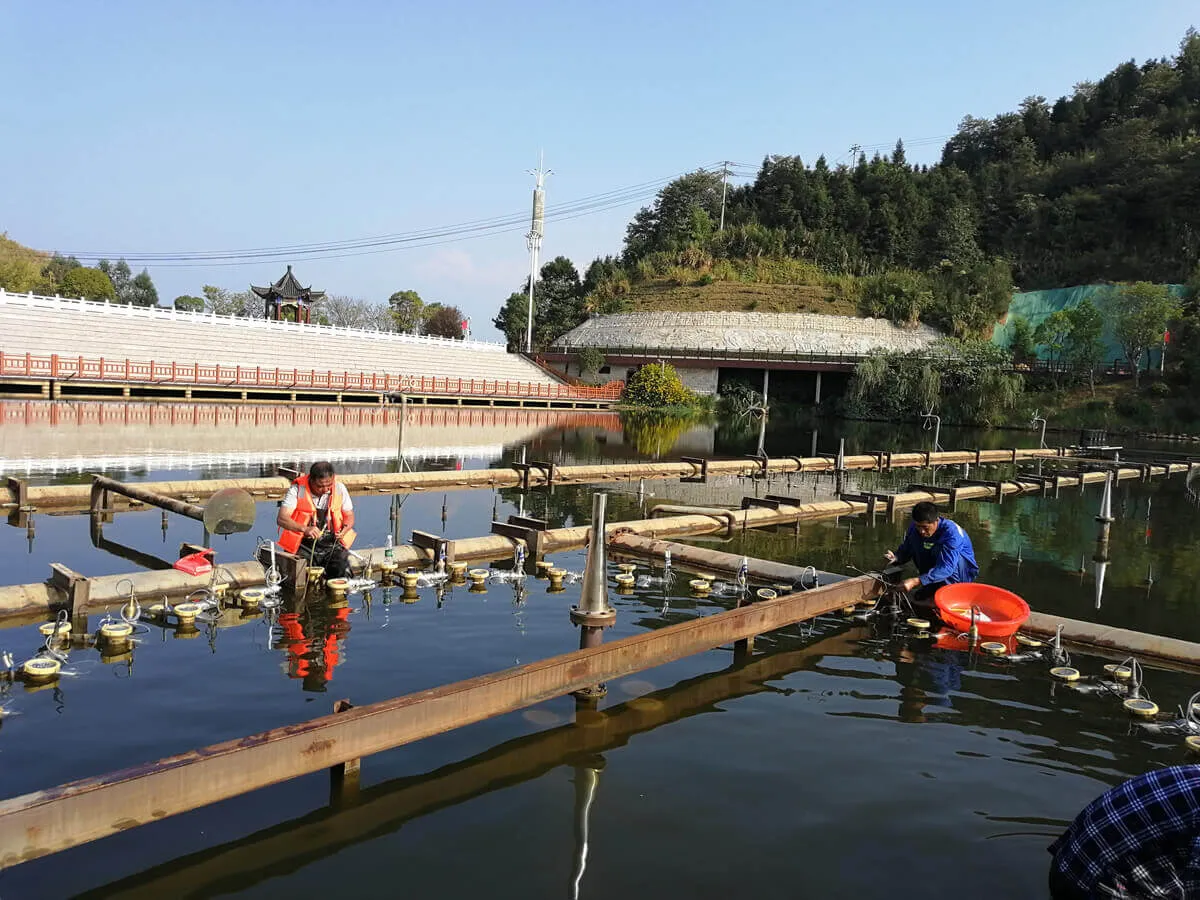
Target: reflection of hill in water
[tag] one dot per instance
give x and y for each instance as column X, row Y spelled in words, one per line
column 57, row 436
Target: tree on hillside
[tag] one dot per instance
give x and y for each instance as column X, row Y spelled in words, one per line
column 1139, row 314
column 685, row 211
column 90, row 284
column 55, row 271
column 408, row 311
column 188, row 303
column 20, row 266
column 141, row 290
column 120, row 276
column 446, row 321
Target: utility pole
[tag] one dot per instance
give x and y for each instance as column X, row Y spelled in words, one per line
column 534, row 241
column 855, row 152
column 724, row 187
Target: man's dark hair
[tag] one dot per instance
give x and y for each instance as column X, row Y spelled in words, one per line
column 325, row 470
column 925, row 512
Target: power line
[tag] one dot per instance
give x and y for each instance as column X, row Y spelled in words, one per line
column 402, row 240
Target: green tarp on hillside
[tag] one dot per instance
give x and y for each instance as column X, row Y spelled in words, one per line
column 1036, row 307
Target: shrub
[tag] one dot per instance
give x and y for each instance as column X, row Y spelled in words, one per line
column 1160, row 389
column 90, row 284
column 657, row 385
column 590, row 360
column 899, row 296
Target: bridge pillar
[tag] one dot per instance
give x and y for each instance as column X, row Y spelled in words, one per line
column 817, row 392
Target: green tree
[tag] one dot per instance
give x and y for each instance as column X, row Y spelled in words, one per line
column 141, row 291
column 657, row 384
column 120, row 276
column 188, row 303
column 90, row 284
column 685, row 211
column 408, row 310
column 590, row 360
column 445, row 321
column 1053, row 333
column 510, row 321
column 1085, row 340
column 558, row 298
column 1139, row 314
column 56, row 270
column 1024, row 342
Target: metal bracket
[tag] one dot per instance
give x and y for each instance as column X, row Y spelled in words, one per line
column 996, row 486
column 763, row 462
column 77, row 588
column 950, row 493
column 765, row 502
column 20, row 491
column 701, row 464
column 435, row 544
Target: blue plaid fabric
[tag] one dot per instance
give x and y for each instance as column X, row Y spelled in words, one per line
column 1139, row 839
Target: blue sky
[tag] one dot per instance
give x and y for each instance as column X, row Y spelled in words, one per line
column 152, row 127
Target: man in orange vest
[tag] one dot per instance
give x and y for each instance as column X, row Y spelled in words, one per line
column 317, row 520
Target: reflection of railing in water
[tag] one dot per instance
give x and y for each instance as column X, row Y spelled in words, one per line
column 100, row 412
column 289, row 847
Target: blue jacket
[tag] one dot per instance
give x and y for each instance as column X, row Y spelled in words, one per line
column 946, row 556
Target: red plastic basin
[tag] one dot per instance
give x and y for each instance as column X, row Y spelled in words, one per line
column 1003, row 612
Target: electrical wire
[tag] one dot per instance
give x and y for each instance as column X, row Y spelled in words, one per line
column 588, row 205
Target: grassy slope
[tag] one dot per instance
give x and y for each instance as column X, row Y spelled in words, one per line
column 738, row 296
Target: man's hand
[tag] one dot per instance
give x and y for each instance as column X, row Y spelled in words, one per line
column 312, row 533
column 890, row 556
column 910, row 583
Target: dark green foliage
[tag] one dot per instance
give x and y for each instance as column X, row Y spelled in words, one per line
column 187, row 303
column 900, row 296
column 90, row 284
column 558, row 304
column 444, row 321
column 141, row 291
column 1023, row 346
column 590, row 360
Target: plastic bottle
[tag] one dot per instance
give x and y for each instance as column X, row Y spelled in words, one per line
column 388, row 552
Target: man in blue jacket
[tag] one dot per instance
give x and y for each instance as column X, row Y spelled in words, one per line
column 940, row 550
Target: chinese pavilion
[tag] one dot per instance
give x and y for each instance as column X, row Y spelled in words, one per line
column 287, row 293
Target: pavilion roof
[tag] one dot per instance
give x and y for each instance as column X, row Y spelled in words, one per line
column 287, row 288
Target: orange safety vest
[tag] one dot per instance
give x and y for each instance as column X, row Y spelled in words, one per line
column 305, row 512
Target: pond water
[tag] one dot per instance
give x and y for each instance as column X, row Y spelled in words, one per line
column 837, row 762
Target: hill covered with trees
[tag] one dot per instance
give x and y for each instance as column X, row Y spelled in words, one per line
column 1102, row 185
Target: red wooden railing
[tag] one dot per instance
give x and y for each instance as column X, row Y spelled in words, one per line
column 57, row 367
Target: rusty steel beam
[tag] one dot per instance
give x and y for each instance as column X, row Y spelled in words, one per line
column 383, row 808
column 48, row 821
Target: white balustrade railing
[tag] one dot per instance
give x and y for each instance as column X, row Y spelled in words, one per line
column 161, row 313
